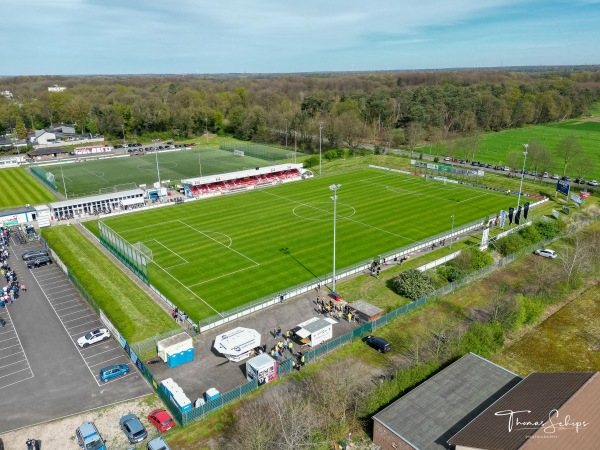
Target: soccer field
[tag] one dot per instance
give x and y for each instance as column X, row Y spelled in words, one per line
column 18, row 188
column 87, row 178
column 220, row 253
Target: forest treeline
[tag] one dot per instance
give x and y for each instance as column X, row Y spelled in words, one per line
column 386, row 109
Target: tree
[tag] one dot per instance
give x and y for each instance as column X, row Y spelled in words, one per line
column 414, row 134
column 351, row 129
column 412, row 284
column 568, row 149
column 20, row 128
column 583, row 165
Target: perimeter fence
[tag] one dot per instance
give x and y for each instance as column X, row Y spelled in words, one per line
column 258, row 150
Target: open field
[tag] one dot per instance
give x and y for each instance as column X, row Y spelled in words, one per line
column 496, row 147
column 18, row 188
column 213, row 255
column 87, row 178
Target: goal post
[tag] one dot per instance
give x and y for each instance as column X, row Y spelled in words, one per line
column 238, row 152
column 140, row 247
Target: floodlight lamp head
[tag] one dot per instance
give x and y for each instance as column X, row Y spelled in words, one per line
column 335, row 187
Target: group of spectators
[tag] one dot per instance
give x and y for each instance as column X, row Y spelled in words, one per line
column 10, row 291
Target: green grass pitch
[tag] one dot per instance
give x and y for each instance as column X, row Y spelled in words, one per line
column 216, row 254
column 18, row 188
column 87, row 178
column 495, row 147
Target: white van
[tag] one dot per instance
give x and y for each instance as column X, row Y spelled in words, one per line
column 157, row 444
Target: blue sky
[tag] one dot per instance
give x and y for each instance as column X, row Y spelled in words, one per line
column 70, row 37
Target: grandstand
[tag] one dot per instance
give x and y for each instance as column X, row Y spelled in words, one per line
column 242, row 180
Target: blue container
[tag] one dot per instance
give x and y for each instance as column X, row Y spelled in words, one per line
column 180, row 358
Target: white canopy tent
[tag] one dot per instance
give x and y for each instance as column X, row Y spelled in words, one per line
column 237, row 344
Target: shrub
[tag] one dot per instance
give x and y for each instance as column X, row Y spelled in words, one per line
column 451, row 273
column 510, row 244
column 313, row 161
column 472, row 259
column 412, row 284
column 484, row 339
column 548, row 229
column 436, row 159
column 530, row 234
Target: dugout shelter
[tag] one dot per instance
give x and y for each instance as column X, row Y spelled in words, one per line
column 241, row 180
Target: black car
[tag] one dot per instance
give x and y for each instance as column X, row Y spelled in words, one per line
column 33, row 254
column 566, row 178
column 379, row 344
column 41, row 261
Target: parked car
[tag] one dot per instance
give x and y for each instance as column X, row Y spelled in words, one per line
column 379, row 344
column 533, row 173
column 593, row 183
column 546, row 253
column 447, row 158
column 89, row 438
column 38, row 262
column 97, row 335
column 157, row 444
column 545, row 175
column 567, row 179
column 33, row 254
column 114, row 371
column 555, row 177
column 506, row 169
column 161, row 420
column 489, row 166
column 581, row 181
column 133, row 428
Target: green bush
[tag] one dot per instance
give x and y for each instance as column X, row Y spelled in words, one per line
column 472, row 259
column 483, row 339
column 412, row 284
column 451, row 273
column 530, row 234
column 510, row 244
column 548, row 229
column 313, row 161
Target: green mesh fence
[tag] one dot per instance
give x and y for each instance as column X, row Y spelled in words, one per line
column 133, row 259
column 258, row 151
column 44, row 176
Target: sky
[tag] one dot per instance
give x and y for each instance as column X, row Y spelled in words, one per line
column 84, row 37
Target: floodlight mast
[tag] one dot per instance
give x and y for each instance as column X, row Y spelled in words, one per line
column 526, row 146
column 334, row 188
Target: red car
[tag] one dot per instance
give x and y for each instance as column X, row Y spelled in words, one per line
column 161, row 420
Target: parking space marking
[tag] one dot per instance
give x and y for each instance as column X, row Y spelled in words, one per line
column 66, row 301
column 7, row 339
column 67, row 307
column 69, row 314
column 73, row 320
column 81, row 324
column 56, row 282
column 59, row 318
column 58, row 292
column 20, row 345
column 79, row 333
column 106, row 360
column 63, row 296
column 105, row 351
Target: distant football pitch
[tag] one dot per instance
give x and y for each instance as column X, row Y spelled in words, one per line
column 213, row 255
column 94, row 177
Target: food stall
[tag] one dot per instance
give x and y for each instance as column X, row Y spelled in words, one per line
column 238, row 344
column 314, row 331
column 262, row 368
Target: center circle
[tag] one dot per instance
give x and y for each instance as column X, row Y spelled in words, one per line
column 323, row 211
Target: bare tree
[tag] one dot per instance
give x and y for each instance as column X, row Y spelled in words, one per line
column 575, row 257
column 569, row 149
column 414, row 133
column 582, row 165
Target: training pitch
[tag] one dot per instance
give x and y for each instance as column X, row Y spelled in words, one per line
column 18, row 188
column 216, row 254
column 89, row 177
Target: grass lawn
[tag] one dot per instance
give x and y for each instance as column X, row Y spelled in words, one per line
column 18, row 188
column 135, row 315
column 87, row 178
column 496, row 147
column 213, row 255
column 568, row 341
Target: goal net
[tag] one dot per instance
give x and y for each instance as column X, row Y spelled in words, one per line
column 238, row 152
column 143, row 250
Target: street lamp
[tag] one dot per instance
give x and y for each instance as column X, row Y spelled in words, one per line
column 199, row 161
column 452, row 233
column 526, row 146
column 295, row 146
column 156, row 154
column 285, row 133
column 334, row 188
column 206, row 121
column 320, row 139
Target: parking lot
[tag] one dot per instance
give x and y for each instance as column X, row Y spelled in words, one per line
column 44, row 374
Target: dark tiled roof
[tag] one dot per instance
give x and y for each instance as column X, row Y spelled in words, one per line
column 47, row 151
column 437, row 409
column 536, row 396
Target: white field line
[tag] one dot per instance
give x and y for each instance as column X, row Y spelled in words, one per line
column 92, row 173
column 159, row 243
column 222, row 276
column 339, row 217
column 213, row 239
